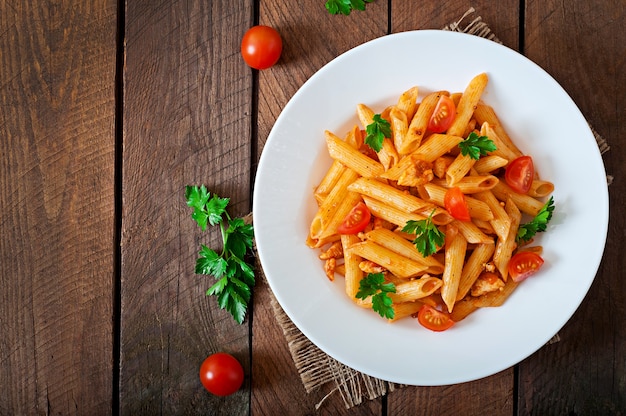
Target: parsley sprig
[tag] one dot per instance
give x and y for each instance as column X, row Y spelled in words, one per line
column 235, row 277
column 345, row 6
column 427, row 236
column 476, row 146
column 374, row 285
column 538, row 224
column 376, row 132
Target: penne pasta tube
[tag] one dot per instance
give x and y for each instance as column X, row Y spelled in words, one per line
column 403, row 310
column 502, row 149
column 467, row 103
column 400, row 266
column 453, row 267
column 331, row 203
column 395, row 242
column 436, row 146
column 329, row 181
column 407, row 102
column 399, row 127
column 524, row 202
column 477, row 209
column 470, row 184
column 501, row 222
column 389, row 195
column 458, row 169
column 419, row 123
column 485, row 114
column 398, row 217
column 489, row 163
column 473, row 268
column 351, row 157
column 352, row 273
column 540, row 188
column 462, row 309
column 505, row 247
column 365, row 115
column 342, row 211
column 472, row 233
column 415, row 289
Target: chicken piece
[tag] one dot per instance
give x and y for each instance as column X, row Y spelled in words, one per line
column 329, row 268
column 368, row 266
column 418, row 173
column 487, row 282
column 335, row 251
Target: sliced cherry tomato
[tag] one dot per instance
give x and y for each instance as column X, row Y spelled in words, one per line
column 261, row 47
column 443, row 116
column 221, row 374
column 433, row 319
column 524, row 264
column 356, row 220
column 520, row 173
column 455, row 203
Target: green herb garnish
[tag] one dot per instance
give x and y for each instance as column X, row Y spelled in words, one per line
column 476, row 146
column 376, row 132
column 427, row 236
column 345, row 6
column 374, row 285
column 538, row 224
column 235, row 277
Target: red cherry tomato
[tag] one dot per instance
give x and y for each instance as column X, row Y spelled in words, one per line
column 455, row 203
column 520, row 173
column 261, row 47
column 221, row 374
column 443, row 116
column 524, row 264
column 356, row 220
column 433, row 319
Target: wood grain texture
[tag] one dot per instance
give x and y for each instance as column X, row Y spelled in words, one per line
column 582, row 46
column 57, row 142
column 187, row 120
column 311, row 37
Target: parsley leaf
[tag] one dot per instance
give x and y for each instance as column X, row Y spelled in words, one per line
column 374, row 285
column 345, row 6
column 376, row 132
column 427, row 236
column 538, row 224
column 476, row 146
column 235, row 277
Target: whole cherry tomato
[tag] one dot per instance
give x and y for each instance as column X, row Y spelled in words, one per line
column 261, row 47
column 221, row 374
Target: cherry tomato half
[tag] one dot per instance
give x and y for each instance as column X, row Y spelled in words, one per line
column 443, row 116
column 520, row 173
column 431, row 318
column 455, row 203
column 524, row 264
column 221, row 374
column 356, row 220
column 261, row 47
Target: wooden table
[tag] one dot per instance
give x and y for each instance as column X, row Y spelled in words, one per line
column 108, row 109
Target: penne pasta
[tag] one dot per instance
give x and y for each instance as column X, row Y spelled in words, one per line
column 402, row 236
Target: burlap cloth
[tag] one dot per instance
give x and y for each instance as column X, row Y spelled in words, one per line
column 320, row 371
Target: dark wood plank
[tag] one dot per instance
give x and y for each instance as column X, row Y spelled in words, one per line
column 582, row 46
column 491, row 395
column 312, row 37
column 57, row 141
column 186, row 121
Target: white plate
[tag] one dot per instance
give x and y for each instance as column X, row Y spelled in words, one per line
column 541, row 118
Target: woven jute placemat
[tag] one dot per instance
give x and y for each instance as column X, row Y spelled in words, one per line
column 320, row 371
